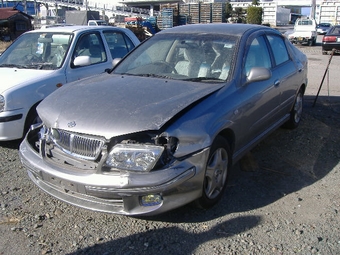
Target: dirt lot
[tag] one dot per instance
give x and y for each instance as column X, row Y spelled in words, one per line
column 284, row 198
column 3, row 45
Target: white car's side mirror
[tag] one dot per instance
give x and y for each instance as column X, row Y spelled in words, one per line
column 115, row 61
column 82, row 61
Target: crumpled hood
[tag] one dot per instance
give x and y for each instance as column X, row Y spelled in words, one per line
column 11, row 77
column 113, row 105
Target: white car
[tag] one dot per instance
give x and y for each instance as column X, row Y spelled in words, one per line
column 323, row 28
column 304, row 32
column 94, row 22
column 41, row 61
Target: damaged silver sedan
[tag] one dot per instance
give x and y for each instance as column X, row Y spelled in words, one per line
column 163, row 128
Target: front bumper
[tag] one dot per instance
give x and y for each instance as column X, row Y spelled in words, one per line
column 11, row 125
column 120, row 192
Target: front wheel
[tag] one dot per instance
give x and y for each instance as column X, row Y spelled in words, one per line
column 216, row 173
column 296, row 112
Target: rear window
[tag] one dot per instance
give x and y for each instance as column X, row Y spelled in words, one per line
column 306, row 22
column 335, row 30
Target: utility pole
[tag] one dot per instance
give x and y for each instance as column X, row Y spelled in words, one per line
column 25, row 6
column 313, row 4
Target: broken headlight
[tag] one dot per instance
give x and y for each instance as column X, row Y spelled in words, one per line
column 135, row 157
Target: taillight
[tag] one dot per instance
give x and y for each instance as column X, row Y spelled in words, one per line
column 329, row 39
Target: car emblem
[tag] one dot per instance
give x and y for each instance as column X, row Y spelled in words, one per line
column 71, row 124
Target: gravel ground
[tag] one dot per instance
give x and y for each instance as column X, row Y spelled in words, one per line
column 282, row 198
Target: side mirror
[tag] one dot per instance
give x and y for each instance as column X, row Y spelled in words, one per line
column 82, row 61
column 115, row 61
column 258, row 74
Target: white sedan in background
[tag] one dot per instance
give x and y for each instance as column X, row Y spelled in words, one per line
column 40, row 61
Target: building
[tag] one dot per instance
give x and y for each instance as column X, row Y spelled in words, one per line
column 329, row 12
column 13, row 23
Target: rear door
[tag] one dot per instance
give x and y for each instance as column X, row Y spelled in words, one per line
column 288, row 71
column 119, row 43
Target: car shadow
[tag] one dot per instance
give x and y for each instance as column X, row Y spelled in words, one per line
column 172, row 240
column 11, row 144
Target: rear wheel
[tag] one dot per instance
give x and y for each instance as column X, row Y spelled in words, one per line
column 310, row 42
column 296, row 112
column 216, row 173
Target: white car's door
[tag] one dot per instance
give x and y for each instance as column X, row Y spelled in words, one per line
column 93, row 55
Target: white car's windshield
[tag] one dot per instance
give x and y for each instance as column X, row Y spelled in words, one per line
column 43, row 50
column 182, row 58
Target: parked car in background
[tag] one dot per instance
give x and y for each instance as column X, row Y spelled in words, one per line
column 41, row 61
column 331, row 40
column 165, row 126
column 323, row 28
column 304, row 32
column 94, row 22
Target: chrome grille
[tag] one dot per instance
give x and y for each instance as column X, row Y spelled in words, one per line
column 76, row 144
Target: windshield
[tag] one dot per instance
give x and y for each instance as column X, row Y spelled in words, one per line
column 181, row 57
column 306, row 22
column 43, row 50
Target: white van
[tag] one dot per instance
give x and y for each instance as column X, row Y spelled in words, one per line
column 93, row 22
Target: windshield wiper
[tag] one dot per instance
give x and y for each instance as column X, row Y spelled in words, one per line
column 147, row 75
column 204, row 79
column 155, row 75
column 13, row 65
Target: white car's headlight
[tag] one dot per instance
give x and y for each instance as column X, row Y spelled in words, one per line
column 2, row 103
column 135, row 157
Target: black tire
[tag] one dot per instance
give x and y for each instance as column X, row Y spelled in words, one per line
column 296, row 112
column 216, row 173
column 314, row 42
column 310, row 42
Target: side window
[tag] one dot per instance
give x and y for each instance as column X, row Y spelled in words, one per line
column 91, row 45
column 119, row 44
column 258, row 55
column 279, row 49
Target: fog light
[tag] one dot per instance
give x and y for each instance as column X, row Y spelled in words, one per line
column 151, row 200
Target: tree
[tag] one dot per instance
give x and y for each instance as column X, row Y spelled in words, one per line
column 228, row 11
column 254, row 15
column 239, row 15
column 255, row 3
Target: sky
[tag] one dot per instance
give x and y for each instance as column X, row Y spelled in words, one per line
column 305, row 11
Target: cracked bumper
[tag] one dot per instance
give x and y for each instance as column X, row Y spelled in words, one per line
column 120, row 193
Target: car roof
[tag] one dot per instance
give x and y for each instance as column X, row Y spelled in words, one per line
column 217, row 28
column 75, row 28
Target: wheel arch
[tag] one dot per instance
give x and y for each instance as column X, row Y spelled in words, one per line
column 303, row 88
column 229, row 135
column 31, row 112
